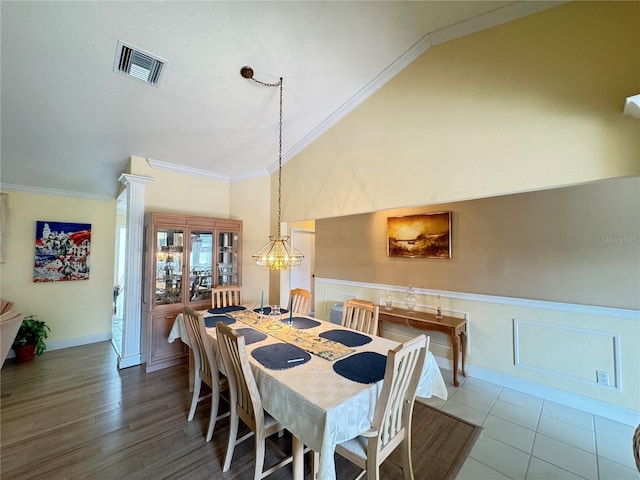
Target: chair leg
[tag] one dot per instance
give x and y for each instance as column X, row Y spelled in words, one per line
column 196, row 396
column 314, row 461
column 407, row 467
column 259, row 456
column 373, row 469
column 215, row 403
column 233, row 434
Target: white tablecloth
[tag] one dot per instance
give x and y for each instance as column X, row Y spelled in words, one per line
column 316, row 404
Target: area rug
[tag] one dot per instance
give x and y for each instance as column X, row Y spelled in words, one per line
column 440, row 445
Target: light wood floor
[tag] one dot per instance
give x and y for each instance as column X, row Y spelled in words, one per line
column 71, row 414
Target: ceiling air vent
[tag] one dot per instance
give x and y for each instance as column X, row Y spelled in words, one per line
column 133, row 62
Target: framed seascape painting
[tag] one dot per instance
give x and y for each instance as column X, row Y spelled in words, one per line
column 426, row 235
column 63, row 251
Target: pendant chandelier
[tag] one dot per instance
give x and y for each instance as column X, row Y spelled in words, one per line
column 278, row 254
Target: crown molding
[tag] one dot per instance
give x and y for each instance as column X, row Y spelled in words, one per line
column 5, row 187
column 197, row 172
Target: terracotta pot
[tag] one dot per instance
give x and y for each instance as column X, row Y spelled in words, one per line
column 25, row 353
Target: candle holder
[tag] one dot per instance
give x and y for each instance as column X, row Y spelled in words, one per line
column 439, row 309
column 388, row 302
column 410, row 300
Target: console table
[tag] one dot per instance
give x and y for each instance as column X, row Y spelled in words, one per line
column 456, row 328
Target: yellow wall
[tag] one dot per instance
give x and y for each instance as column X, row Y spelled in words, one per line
column 250, row 201
column 172, row 192
column 530, row 104
column 75, row 309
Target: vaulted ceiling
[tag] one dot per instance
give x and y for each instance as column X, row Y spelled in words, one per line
column 70, row 123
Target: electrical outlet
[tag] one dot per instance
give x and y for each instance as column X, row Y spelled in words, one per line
column 602, row 377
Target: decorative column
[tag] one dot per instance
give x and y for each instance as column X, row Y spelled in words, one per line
column 132, row 329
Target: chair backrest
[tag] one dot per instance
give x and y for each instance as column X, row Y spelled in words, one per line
column 394, row 409
column 5, row 306
column 243, row 390
column 226, row 296
column 300, row 301
column 360, row 315
column 203, row 356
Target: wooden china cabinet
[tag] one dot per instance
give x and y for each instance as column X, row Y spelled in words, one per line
column 185, row 257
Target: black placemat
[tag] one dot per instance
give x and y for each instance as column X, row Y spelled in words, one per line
column 301, row 322
column 346, row 337
column 211, row 321
column 231, row 308
column 363, row 367
column 251, row 335
column 267, row 310
column 280, row 356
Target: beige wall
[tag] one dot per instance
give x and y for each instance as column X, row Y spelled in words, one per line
column 77, row 311
column 576, row 244
column 172, row 192
column 530, row 104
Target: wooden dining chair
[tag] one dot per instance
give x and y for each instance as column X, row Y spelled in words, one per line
column 391, row 425
column 10, row 322
column 226, row 296
column 300, row 301
column 360, row 315
column 245, row 402
column 205, row 369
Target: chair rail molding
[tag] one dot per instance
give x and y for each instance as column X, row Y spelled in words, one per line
column 622, row 313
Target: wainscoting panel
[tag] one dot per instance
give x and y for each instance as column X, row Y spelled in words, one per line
column 568, row 352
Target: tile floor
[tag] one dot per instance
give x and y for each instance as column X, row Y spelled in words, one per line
column 526, row 437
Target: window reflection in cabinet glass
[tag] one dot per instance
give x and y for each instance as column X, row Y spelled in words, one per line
column 201, row 262
column 169, row 262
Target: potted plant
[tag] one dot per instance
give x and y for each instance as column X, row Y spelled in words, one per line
column 29, row 340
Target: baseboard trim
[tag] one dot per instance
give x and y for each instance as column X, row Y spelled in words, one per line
column 72, row 342
column 596, row 407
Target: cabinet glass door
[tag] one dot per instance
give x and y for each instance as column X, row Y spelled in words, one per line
column 200, row 265
column 168, row 265
column 227, row 258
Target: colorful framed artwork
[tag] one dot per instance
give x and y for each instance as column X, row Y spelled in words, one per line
column 63, row 251
column 426, row 235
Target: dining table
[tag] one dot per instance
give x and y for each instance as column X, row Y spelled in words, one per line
column 318, row 379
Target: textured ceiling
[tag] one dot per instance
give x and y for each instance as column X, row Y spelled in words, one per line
column 69, row 123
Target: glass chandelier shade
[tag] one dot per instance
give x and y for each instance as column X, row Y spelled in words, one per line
column 278, row 254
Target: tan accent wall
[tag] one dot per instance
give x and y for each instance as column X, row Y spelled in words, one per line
column 576, row 244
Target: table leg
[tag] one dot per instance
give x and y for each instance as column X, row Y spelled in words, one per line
column 455, row 343
column 463, row 346
column 298, row 459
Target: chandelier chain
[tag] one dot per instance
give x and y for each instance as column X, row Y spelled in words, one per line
column 278, row 254
column 277, row 84
column 280, row 159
